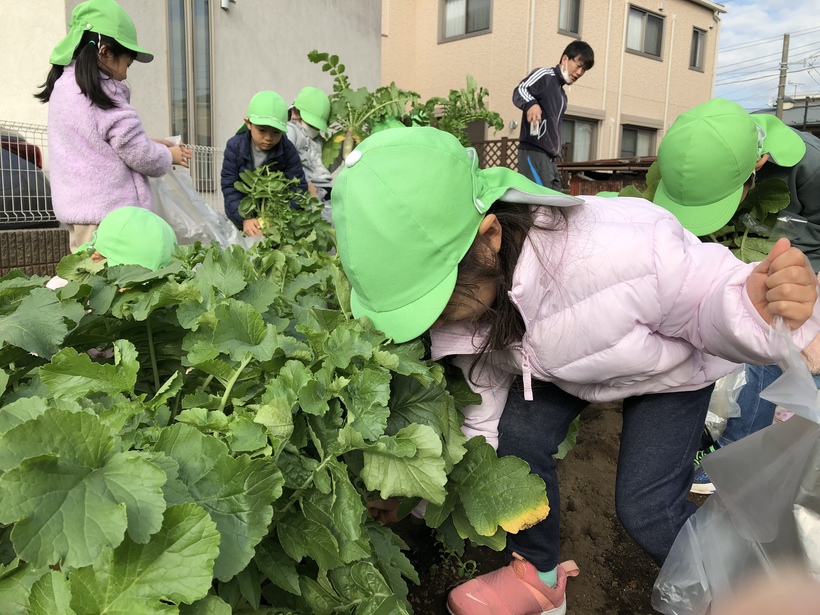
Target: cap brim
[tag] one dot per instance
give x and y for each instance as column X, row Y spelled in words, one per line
column 700, row 219
column 409, row 321
column 314, row 121
column 268, row 121
column 503, row 184
column 784, row 145
column 142, row 54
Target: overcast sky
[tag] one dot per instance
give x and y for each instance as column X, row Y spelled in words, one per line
column 751, row 44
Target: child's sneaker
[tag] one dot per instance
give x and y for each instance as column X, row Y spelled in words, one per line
column 512, row 590
column 702, row 484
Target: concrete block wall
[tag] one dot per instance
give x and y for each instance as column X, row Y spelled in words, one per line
column 33, row 251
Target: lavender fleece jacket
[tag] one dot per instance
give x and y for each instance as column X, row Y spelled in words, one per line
column 99, row 160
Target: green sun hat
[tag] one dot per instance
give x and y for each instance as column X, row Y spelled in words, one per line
column 407, row 207
column 314, row 107
column 134, row 236
column 705, row 158
column 783, row 144
column 103, row 17
column 267, row 108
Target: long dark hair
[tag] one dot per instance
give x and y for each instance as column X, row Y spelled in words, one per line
column 502, row 322
column 87, row 70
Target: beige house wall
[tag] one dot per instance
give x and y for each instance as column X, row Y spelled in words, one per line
column 622, row 88
column 255, row 45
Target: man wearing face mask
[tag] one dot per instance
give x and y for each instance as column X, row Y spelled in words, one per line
column 543, row 101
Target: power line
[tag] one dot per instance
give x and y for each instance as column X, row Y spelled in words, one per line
column 762, row 68
column 791, row 72
column 775, row 54
column 773, row 38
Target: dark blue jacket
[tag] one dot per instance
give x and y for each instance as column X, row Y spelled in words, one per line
column 544, row 87
column 238, row 157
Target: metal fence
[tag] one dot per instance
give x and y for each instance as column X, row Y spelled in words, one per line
column 206, row 166
column 25, row 194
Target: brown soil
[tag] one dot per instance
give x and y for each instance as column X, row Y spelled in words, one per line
column 616, row 576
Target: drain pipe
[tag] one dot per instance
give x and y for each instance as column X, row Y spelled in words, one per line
column 531, row 42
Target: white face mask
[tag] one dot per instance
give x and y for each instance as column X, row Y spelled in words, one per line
column 312, row 132
column 565, row 74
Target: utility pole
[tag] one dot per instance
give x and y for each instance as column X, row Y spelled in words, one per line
column 781, row 88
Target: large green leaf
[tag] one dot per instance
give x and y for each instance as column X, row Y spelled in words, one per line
column 236, row 491
column 301, row 537
column 408, row 464
column 74, row 375
column 70, row 494
column 38, row 324
column 277, row 566
column 138, row 303
column 222, row 270
column 413, row 402
column 50, row 595
column 390, row 560
column 497, row 491
column 341, row 510
column 360, row 587
column 16, row 581
column 27, row 408
column 133, row 579
column 209, row 605
column 365, row 398
column 240, row 330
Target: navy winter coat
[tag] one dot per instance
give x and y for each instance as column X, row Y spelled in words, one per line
column 238, row 157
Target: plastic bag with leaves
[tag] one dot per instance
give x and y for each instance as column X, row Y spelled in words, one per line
column 181, row 206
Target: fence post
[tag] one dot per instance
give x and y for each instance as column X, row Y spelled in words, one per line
column 504, row 149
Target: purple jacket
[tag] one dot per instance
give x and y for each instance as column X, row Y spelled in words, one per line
column 622, row 302
column 99, row 160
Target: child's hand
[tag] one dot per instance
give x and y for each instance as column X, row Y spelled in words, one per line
column 783, row 285
column 180, row 155
column 250, row 226
column 384, row 511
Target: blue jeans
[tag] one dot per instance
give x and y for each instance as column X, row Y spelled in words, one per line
column 755, row 413
column 660, row 436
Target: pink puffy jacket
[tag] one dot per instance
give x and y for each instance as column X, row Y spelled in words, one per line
column 623, row 301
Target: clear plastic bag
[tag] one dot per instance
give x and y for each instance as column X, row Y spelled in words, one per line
column 765, row 513
column 180, row 205
column 723, row 403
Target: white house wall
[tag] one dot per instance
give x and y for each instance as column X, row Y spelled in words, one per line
column 256, row 45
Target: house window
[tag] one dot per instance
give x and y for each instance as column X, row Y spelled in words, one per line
column 698, row 49
column 569, row 16
column 578, row 139
column 637, row 141
column 644, row 32
column 189, row 51
column 466, row 18
column 189, row 57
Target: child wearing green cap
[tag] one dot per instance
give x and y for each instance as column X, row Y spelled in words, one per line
column 101, row 157
column 129, row 236
column 308, row 118
column 573, row 301
column 261, row 141
column 709, row 159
